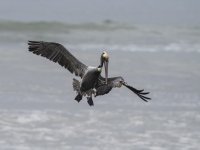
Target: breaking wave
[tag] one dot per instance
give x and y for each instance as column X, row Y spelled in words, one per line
column 106, row 35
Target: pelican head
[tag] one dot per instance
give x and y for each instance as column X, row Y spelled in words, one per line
column 105, row 61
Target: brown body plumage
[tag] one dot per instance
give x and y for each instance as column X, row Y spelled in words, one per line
column 92, row 83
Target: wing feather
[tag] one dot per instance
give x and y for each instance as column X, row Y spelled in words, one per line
column 58, row 54
column 139, row 93
column 103, row 88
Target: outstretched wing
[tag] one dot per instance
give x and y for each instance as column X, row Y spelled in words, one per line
column 58, row 54
column 103, row 88
column 139, row 93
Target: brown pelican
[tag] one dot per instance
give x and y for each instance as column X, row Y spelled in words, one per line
column 92, row 82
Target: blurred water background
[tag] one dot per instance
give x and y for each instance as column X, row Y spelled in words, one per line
column 157, row 52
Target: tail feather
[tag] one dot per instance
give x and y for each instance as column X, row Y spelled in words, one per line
column 76, row 85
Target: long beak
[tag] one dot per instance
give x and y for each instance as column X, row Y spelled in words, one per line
column 106, row 70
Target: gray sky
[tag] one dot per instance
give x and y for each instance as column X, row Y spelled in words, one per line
column 135, row 11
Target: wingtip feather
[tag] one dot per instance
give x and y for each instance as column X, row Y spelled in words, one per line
column 139, row 93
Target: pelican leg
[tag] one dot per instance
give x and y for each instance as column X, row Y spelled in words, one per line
column 78, row 98
column 90, row 101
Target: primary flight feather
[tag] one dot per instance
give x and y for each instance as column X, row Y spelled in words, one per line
column 92, row 83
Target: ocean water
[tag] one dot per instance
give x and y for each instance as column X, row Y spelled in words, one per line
column 37, row 107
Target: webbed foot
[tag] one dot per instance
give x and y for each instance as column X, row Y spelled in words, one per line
column 90, row 101
column 78, row 98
